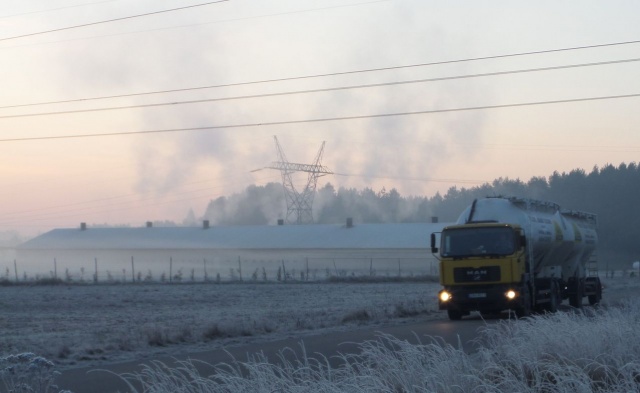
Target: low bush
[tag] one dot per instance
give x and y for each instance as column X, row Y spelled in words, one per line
column 27, row 373
column 358, row 316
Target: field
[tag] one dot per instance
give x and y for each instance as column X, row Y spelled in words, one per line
column 77, row 325
column 89, row 325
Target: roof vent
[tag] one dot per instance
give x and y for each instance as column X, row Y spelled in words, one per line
column 83, row 226
column 149, row 224
column 349, row 222
column 205, row 224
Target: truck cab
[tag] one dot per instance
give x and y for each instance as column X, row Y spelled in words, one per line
column 482, row 268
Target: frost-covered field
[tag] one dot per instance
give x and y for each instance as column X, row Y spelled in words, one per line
column 77, row 325
column 572, row 352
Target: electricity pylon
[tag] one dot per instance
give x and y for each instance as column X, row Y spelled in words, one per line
column 299, row 204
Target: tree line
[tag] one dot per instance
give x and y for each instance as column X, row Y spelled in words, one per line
column 610, row 192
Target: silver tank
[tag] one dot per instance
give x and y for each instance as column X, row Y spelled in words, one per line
column 560, row 242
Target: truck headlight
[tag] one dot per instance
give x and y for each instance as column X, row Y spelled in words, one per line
column 445, row 296
column 511, row 294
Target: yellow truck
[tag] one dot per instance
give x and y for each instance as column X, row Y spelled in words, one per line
column 524, row 255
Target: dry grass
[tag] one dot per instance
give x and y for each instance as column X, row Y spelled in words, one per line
column 558, row 353
column 594, row 350
column 75, row 325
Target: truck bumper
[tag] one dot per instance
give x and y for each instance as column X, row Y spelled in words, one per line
column 480, row 298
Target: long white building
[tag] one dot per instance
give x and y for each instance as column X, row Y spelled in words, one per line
column 231, row 251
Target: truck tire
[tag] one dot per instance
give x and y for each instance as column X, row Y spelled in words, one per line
column 595, row 299
column 575, row 299
column 454, row 315
column 525, row 309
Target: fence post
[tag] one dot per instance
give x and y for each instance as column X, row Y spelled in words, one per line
column 307, row 273
column 55, row 268
column 15, row 269
column 170, row 269
column 95, row 276
column 239, row 267
column 284, row 271
column 133, row 271
column 204, row 263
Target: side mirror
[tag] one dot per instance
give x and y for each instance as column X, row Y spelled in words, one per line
column 523, row 241
column 434, row 249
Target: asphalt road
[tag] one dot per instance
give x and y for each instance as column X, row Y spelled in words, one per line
column 106, row 379
column 465, row 333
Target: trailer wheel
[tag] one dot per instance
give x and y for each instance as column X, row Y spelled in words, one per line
column 554, row 297
column 454, row 315
column 595, row 299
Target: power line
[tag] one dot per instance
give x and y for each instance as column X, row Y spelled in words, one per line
column 108, row 208
column 56, row 9
column 111, row 20
column 339, row 88
column 426, row 179
column 327, row 74
column 91, row 210
column 327, row 119
column 200, row 24
column 77, row 209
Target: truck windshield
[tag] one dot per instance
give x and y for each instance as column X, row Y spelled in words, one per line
column 478, row 241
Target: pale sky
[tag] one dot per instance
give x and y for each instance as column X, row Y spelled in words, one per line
column 131, row 179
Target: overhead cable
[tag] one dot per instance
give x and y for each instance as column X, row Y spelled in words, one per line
column 320, row 120
column 111, row 20
column 56, row 9
column 326, row 74
column 339, row 88
column 195, row 24
column 426, row 179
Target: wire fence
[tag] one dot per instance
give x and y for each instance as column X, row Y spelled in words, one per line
column 178, row 270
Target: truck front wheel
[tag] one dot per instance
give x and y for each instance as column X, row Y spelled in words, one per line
column 525, row 309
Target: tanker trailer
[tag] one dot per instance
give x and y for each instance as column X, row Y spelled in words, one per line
column 507, row 253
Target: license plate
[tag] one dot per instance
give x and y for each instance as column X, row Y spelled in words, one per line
column 477, row 295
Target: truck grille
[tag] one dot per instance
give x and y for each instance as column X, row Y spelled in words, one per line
column 480, row 274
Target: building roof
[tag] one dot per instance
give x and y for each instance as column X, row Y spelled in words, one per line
column 315, row 236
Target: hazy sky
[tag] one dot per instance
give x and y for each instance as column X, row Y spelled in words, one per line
column 131, row 179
